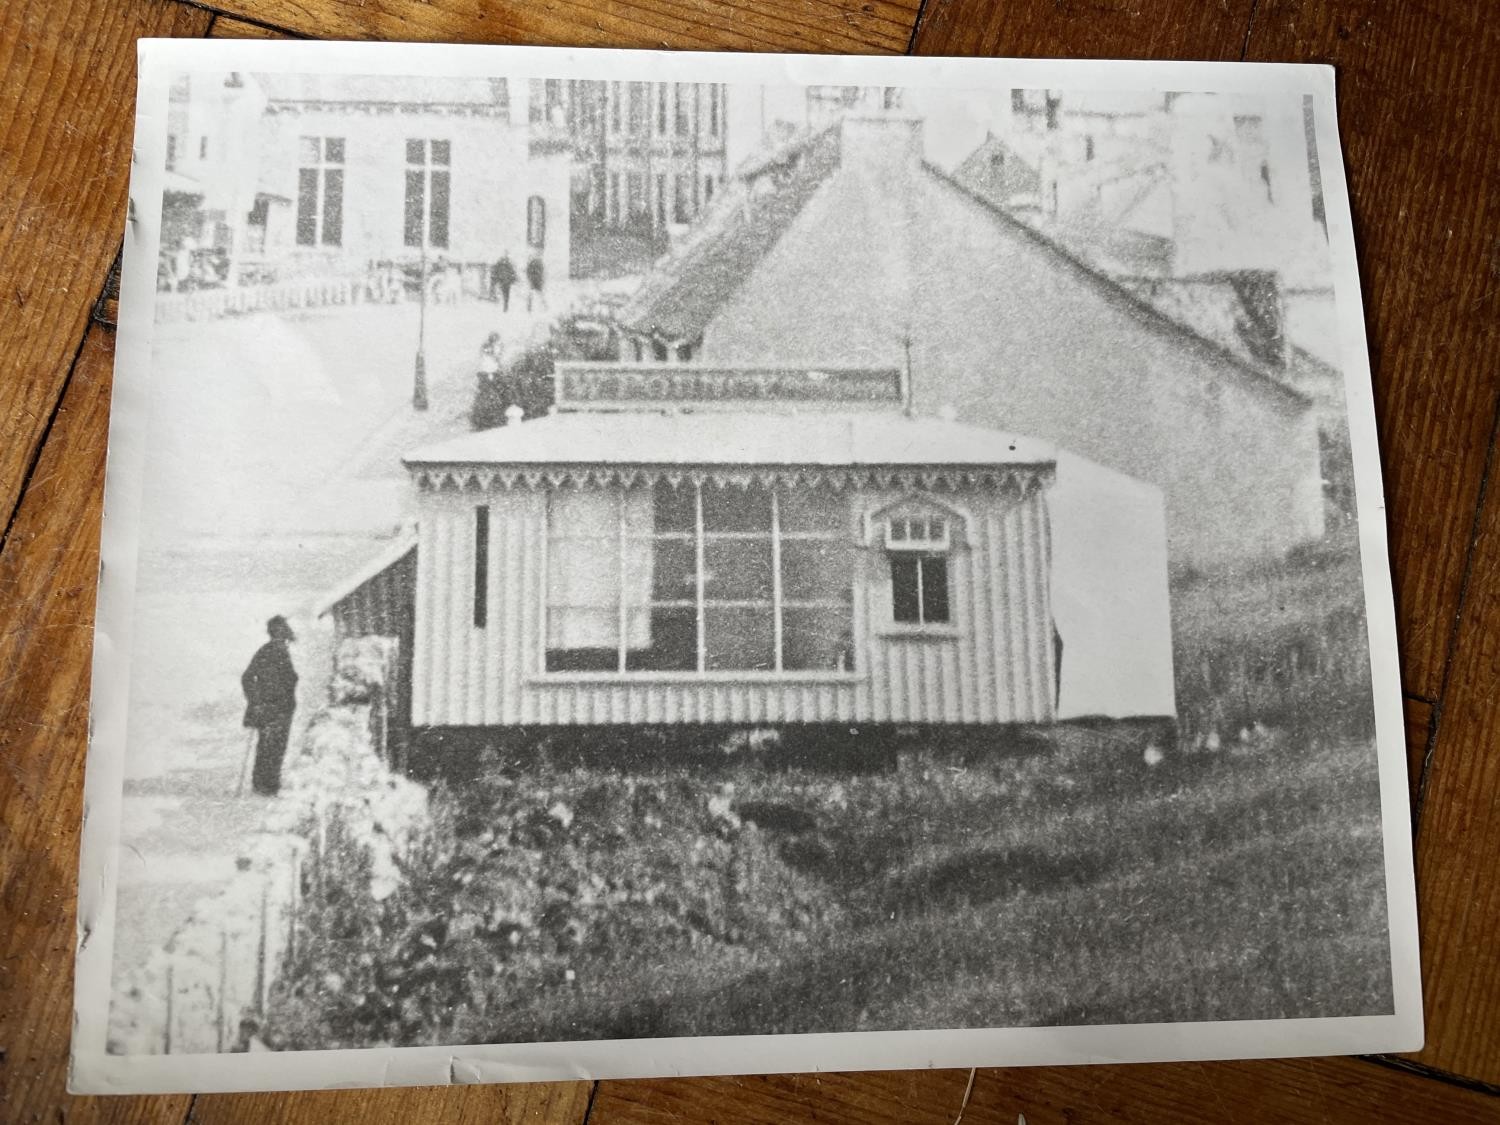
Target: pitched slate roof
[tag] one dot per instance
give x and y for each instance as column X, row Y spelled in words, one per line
column 688, row 287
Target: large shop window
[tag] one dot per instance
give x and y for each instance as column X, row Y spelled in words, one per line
column 428, row 169
column 320, row 191
column 699, row 579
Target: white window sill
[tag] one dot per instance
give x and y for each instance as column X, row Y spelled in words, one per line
column 715, row 677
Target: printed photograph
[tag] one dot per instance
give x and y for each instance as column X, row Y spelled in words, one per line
column 624, row 559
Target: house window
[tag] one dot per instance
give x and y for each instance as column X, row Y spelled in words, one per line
column 708, row 188
column 427, row 184
column 203, row 147
column 714, row 92
column 171, row 151
column 698, row 578
column 682, row 198
column 661, row 109
column 320, row 191
column 614, row 107
column 681, row 105
column 661, row 199
column 481, row 565
column 635, row 182
column 917, row 547
column 536, row 222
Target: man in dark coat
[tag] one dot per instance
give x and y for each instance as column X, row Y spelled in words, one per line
column 270, row 684
column 502, row 276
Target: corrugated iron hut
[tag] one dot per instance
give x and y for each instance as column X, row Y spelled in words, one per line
column 695, row 546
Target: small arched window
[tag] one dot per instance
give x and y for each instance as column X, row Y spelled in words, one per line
column 536, row 222
column 919, row 536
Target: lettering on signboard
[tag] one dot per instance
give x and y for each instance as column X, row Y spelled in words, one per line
column 623, row 384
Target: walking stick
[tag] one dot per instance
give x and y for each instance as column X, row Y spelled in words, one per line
column 239, row 789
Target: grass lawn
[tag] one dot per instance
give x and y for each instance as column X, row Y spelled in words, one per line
column 1239, row 888
column 1076, row 887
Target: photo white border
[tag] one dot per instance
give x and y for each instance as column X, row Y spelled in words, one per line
column 96, row 1071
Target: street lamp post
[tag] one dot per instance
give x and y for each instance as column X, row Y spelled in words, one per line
column 419, row 377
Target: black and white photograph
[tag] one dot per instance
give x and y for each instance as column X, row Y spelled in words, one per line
column 627, row 564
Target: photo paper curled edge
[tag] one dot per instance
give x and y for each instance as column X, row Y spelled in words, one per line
column 125, row 455
column 1379, row 592
column 95, row 1071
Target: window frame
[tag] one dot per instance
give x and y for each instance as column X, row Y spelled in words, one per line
column 922, row 533
column 703, row 603
column 325, row 219
column 426, row 178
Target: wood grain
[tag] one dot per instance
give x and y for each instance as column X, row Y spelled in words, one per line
column 557, row 1103
column 1069, row 29
column 66, row 107
column 912, row 1097
column 736, row 25
column 1418, row 86
column 1417, row 94
column 1290, row 1090
column 1418, row 733
column 47, row 580
column 1458, row 894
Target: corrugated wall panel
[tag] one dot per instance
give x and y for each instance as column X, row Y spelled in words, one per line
column 997, row 668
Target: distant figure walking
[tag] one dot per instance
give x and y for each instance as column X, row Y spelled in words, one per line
column 502, row 277
column 270, row 684
column 534, row 281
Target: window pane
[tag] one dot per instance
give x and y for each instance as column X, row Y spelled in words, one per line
column 307, row 207
column 904, row 601
column 333, row 207
column 674, row 571
column 935, row 588
column 737, row 570
column 675, row 508
column 663, row 639
column 333, row 150
column 740, row 639
column 307, row 150
column 737, row 509
column 441, row 151
column 817, row 640
column 582, row 640
column 415, row 207
column 583, row 627
column 437, row 231
column 812, row 511
column 583, row 572
column 416, row 152
column 817, row 570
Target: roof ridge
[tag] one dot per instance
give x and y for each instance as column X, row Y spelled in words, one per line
column 1149, row 312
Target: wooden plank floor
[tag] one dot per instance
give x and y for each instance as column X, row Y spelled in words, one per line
column 1418, row 88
